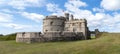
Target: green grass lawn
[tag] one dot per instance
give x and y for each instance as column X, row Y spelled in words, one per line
column 106, row 44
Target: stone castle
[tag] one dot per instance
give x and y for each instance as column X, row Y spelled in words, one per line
column 57, row 28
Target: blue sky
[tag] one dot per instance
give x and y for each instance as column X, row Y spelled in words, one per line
column 27, row 15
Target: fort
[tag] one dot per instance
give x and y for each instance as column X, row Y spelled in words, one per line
column 58, row 28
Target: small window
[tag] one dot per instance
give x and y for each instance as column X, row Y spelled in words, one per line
column 46, row 30
column 62, row 23
column 66, row 28
column 23, row 34
column 74, row 29
column 35, row 34
column 40, row 33
column 51, row 23
column 79, row 24
column 73, row 24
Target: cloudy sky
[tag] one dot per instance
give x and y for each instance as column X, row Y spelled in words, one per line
column 27, row 15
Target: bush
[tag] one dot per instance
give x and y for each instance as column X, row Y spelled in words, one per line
column 8, row 37
column 1, row 34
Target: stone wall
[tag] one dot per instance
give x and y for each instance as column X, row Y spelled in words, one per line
column 29, row 37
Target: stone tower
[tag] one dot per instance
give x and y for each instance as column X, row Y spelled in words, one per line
column 53, row 23
column 52, row 27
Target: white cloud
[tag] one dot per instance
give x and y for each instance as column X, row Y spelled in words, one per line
column 73, row 5
column 110, row 22
column 22, row 4
column 98, row 10
column 99, row 16
column 3, row 2
column 111, row 4
column 6, row 11
column 54, row 8
column 16, row 26
column 33, row 16
column 5, row 17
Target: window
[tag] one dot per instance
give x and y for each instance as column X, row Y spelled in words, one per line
column 79, row 24
column 46, row 30
column 58, row 30
column 62, row 23
column 51, row 23
column 66, row 29
column 23, row 34
column 74, row 29
column 73, row 24
column 35, row 34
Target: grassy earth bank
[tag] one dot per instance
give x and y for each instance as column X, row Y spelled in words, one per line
column 107, row 43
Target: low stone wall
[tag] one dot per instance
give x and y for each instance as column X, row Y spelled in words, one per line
column 29, row 37
column 63, row 36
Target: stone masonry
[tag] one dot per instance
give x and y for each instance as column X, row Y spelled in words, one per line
column 57, row 28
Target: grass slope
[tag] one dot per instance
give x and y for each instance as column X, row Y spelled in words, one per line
column 106, row 44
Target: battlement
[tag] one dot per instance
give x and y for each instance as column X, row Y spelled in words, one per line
column 82, row 20
column 54, row 17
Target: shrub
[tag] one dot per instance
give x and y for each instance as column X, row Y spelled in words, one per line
column 8, row 37
column 1, row 34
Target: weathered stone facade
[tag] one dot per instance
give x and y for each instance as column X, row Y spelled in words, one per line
column 57, row 29
column 29, row 37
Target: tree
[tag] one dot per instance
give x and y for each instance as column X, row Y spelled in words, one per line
column 1, row 34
